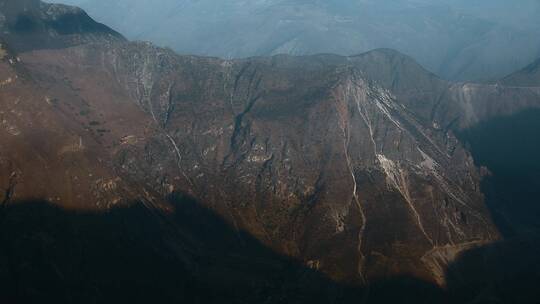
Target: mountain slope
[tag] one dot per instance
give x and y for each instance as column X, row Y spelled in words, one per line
column 73, row 230
column 455, row 39
column 347, row 165
column 529, row 76
column 279, row 186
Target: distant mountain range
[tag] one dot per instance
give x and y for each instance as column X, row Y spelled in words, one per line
column 458, row 40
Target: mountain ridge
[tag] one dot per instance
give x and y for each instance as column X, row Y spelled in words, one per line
column 31, row 24
column 311, row 156
column 528, row 76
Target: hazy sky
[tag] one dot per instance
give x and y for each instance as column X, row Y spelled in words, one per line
column 457, row 39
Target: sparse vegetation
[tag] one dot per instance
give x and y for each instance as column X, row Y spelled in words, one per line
column 3, row 52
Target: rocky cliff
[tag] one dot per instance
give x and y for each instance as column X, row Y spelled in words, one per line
column 347, row 165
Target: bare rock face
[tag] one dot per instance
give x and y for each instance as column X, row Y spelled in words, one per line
column 346, row 164
column 317, row 157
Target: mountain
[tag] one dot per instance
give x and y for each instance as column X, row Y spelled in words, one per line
column 459, row 40
column 132, row 173
column 529, row 76
column 28, row 24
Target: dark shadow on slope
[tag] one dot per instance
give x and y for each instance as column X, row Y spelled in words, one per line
column 405, row 289
column 504, row 272
column 510, row 148
column 137, row 255
column 507, row 271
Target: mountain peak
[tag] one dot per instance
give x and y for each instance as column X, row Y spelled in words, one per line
column 395, row 70
column 31, row 24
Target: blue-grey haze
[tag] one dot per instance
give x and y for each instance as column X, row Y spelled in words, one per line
column 456, row 39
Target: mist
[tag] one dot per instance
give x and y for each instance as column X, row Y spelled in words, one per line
column 456, row 39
